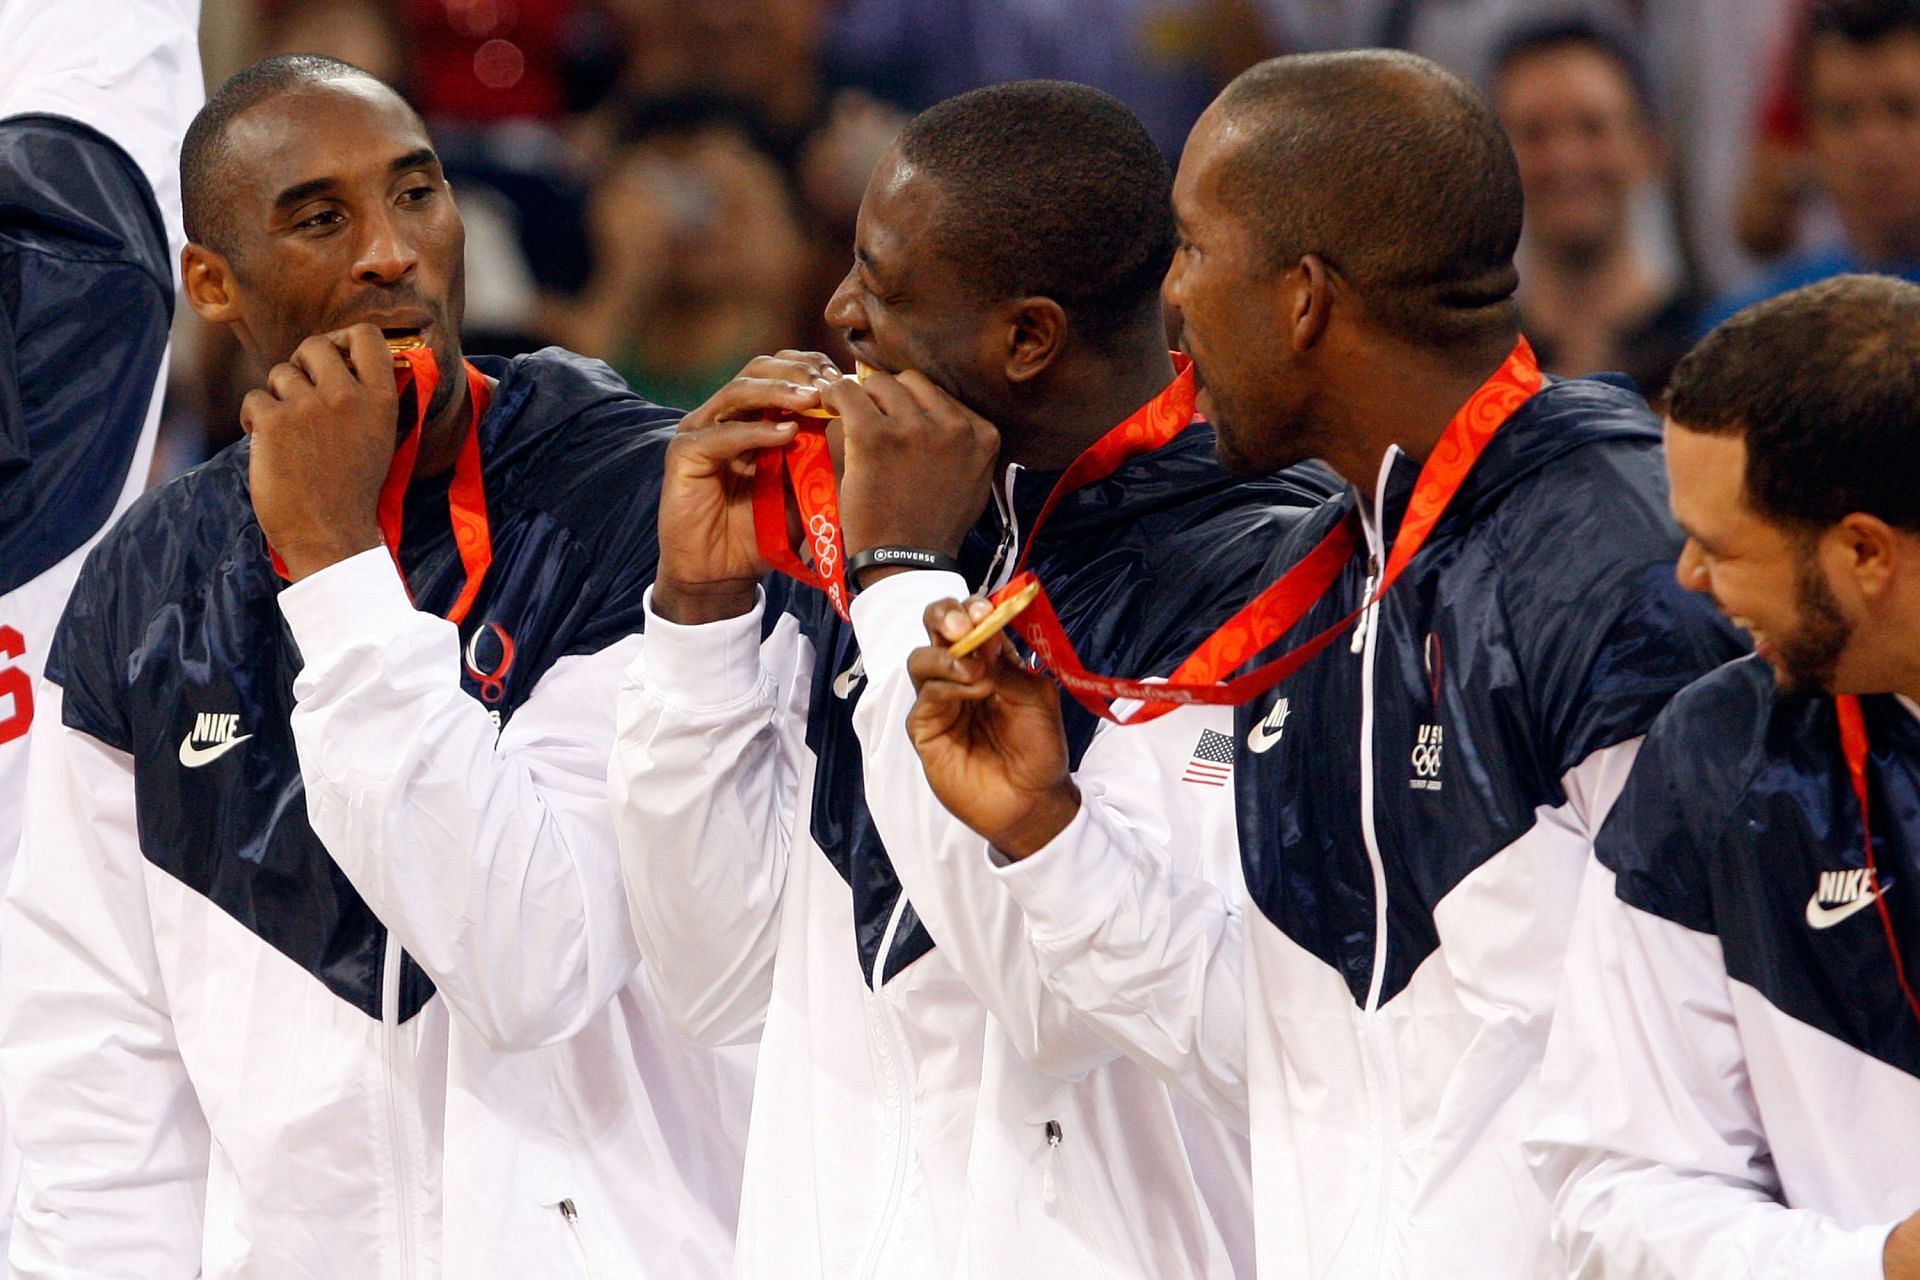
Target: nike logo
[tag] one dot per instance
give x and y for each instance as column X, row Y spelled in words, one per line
column 844, row 683
column 1849, row 892
column 1263, row 735
column 218, row 731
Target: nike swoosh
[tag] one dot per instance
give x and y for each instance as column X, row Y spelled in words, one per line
column 843, row 684
column 193, row 757
column 1260, row 738
column 1819, row 917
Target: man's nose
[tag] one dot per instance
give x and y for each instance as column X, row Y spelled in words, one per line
column 843, row 308
column 1691, row 571
column 386, row 255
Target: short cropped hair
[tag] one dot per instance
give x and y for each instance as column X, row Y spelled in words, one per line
column 1575, row 31
column 1824, row 383
column 1394, row 172
column 1864, row 21
column 1051, row 189
column 204, row 152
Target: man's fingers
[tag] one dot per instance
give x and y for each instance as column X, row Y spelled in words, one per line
column 931, row 667
column 947, row 411
column 816, row 364
column 931, row 400
column 853, row 403
column 372, row 358
column 883, row 390
column 947, row 620
column 725, row 441
column 756, row 397
column 252, row 407
column 936, row 662
column 284, row 380
column 323, row 360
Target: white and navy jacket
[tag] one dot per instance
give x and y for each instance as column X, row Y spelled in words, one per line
column 904, row 1124
column 233, row 1054
column 1732, row 1087
column 1415, row 811
column 94, row 98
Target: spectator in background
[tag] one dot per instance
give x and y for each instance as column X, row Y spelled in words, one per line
column 1462, row 35
column 698, row 255
column 373, row 34
column 1164, row 58
column 1860, row 81
column 1593, row 295
column 764, row 53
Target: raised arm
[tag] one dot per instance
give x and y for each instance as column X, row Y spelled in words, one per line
column 1149, row 953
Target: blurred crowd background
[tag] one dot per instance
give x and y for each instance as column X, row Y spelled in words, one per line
column 671, row 184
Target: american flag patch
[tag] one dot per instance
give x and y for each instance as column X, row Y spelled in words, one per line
column 1212, row 761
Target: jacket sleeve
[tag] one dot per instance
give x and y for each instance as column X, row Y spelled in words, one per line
column 1646, row 1135
column 948, row 871
column 95, row 96
column 113, row 1142
column 128, row 68
column 706, row 789
column 487, row 852
column 1152, row 956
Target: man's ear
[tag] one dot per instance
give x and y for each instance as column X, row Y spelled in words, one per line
column 1868, row 552
column 1306, row 298
column 1036, row 334
column 207, row 280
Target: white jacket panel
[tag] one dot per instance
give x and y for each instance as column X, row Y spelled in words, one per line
column 117, row 1142
column 1650, row 1134
column 1158, row 1215
column 704, row 785
column 1384, row 1141
column 306, row 1160
column 490, row 855
column 896, row 1133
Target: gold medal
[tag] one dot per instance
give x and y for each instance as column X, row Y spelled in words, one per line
column 411, row 342
column 994, row 623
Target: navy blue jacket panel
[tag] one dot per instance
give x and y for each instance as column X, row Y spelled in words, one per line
column 175, row 617
column 1141, row 567
column 86, row 299
column 1740, row 821
column 1540, row 623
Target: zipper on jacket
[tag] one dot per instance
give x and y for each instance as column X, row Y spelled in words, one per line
column 1375, row 1071
column 1363, row 628
column 893, row 1050
column 1056, row 1188
column 571, row 1216
column 1006, row 553
column 390, row 1038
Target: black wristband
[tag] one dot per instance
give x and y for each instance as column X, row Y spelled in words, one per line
column 897, row 558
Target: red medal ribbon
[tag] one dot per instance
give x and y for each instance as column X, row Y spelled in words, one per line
column 1853, row 744
column 466, row 495
column 817, row 496
column 1265, row 619
column 1276, row 610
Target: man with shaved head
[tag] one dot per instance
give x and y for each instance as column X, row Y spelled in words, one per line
column 1417, row 803
column 924, row 1108
column 312, row 706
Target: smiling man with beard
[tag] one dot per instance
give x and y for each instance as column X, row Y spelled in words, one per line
column 1733, row 1086
column 325, row 741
